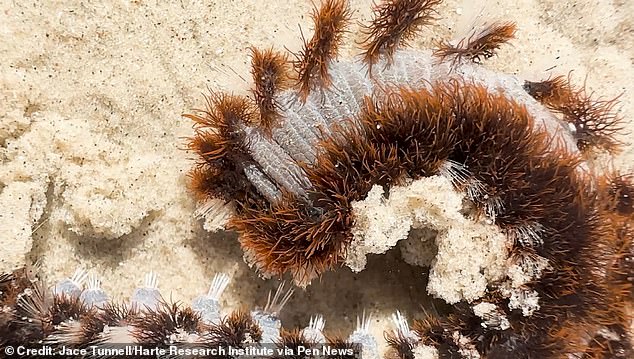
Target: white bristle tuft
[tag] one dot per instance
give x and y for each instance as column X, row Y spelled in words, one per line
column 529, row 235
column 314, row 331
column 400, row 322
column 218, row 286
column 274, row 306
column 93, row 295
column 151, row 281
column 493, row 206
column 72, row 286
column 79, row 277
column 317, row 323
column 456, row 172
column 93, row 283
column 147, row 296
column 363, row 323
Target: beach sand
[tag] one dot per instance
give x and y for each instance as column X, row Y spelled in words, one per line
column 92, row 159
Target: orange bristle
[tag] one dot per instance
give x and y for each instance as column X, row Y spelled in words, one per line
column 312, row 62
column 395, row 22
column 294, row 237
column 221, row 122
column 477, row 46
column 596, row 122
column 271, row 76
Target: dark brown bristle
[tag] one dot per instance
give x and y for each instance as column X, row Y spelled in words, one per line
column 224, row 183
column 343, row 348
column 436, row 333
column 478, row 46
column 293, row 339
column 395, row 22
column 613, row 342
column 234, row 331
column 157, row 326
column 114, row 314
column 12, row 284
column 270, row 76
column 401, row 346
column 221, row 147
column 619, row 190
column 595, row 121
column 313, row 60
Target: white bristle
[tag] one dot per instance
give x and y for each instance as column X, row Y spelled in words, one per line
column 274, row 306
column 93, row 295
column 363, row 323
column 72, row 286
column 402, row 327
column 151, row 280
column 147, row 296
column 314, row 331
column 218, row 286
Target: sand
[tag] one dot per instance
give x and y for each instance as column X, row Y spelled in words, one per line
column 92, row 159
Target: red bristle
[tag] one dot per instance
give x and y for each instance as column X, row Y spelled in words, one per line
column 395, row 22
column 234, row 330
column 313, row 60
column 596, row 122
column 477, row 46
column 270, row 74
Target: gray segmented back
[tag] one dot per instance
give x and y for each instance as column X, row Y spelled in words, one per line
column 302, row 125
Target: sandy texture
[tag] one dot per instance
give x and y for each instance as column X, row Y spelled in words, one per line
column 92, row 166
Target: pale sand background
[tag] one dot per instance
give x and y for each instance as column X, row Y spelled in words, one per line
column 92, row 159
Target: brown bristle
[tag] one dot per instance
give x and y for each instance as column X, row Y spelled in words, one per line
column 619, row 190
column 158, row 326
column 66, row 308
column 293, row 339
column 295, row 237
column 402, row 346
column 613, row 342
column 224, row 116
column 343, row 349
column 224, row 183
column 395, row 22
column 478, row 46
column 550, row 92
column 270, row 76
column 12, row 284
column 595, row 121
column 114, row 314
column 234, row 331
column 312, row 62
column 436, row 333
column 220, row 144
